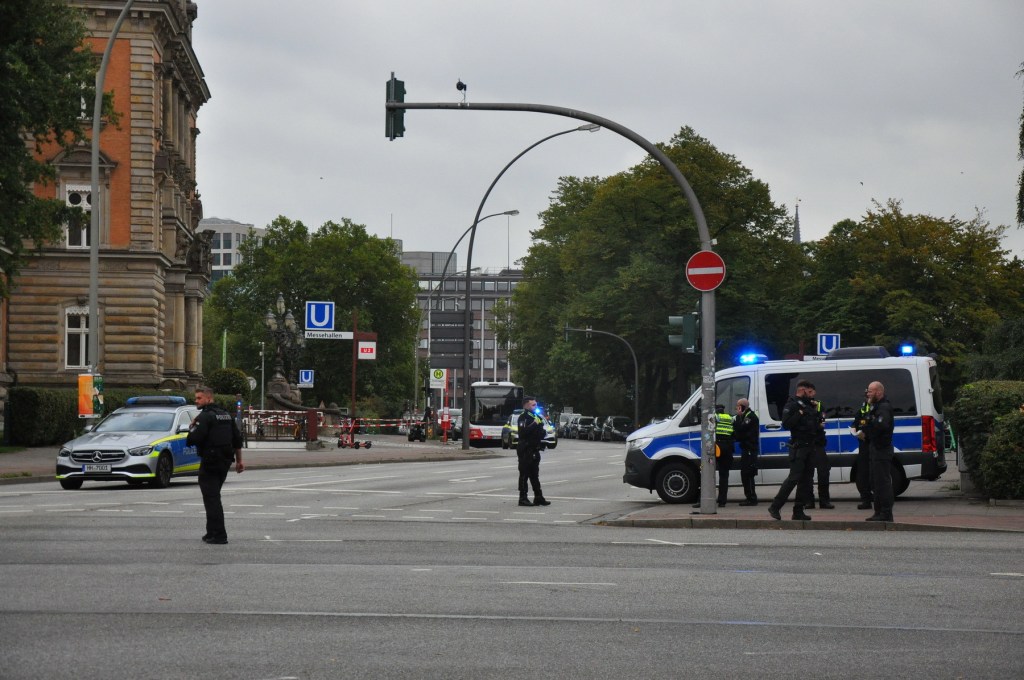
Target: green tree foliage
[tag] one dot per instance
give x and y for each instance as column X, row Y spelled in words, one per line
column 340, row 262
column 229, row 381
column 1002, row 353
column 894, row 277
column 611, row 254
column 46, row 70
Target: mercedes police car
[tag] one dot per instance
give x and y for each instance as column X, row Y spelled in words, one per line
column 510, row 432
column 142, row 442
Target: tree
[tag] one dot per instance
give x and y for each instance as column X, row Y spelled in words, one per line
column 611, row 254
column 894, row 277
column 340, row 262
column 46, row 72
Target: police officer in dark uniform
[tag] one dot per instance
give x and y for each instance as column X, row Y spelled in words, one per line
column 819, row 459
column 800, row 417
column 747, row 431
column 219, row 442
column 863, row 462
column 878, row 433
column 531, row 440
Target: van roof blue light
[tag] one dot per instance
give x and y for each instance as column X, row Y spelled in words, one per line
column 907, row 350
column 752, row 358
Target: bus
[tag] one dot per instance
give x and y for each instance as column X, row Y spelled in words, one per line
column 489, row 406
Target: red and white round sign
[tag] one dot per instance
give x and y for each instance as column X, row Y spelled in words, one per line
column 705, row 270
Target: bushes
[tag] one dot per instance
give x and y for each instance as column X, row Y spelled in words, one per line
column 46, row 417
column 1002, row 461
column 229, row 381
column 974, row 416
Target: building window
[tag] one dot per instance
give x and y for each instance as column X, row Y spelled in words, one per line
column 503, row 286
column 78, row 196
column 215, row 259
column 76, row 337
column 215, row 241
column 489, row 363
column 489, row 285
column 226, row 260
column 225, row 242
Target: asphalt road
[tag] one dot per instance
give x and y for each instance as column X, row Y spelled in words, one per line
column 431, row 570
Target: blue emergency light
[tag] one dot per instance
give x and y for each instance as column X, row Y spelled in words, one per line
column 752, row 358
column 907, row 350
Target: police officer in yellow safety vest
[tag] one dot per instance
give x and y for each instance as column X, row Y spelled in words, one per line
column 863, row 464
column 724, row 451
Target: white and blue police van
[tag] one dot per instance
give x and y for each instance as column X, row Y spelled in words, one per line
column 665, row 457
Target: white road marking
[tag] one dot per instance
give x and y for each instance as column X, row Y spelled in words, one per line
column 178, row 512
column 267, row 513
column 339, row 507
column 370, row 516
column 1006, row 573
column 555, row 583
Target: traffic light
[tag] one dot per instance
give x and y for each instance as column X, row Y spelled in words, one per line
column 689, row 325
column 394, row 120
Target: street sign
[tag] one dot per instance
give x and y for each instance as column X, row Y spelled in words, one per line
column 827, row 342
column 705, row 270
column 305, row 378
column 448, row 361
column 319, row 316
column 328, row 335
column 438, row 378
column 367, row 349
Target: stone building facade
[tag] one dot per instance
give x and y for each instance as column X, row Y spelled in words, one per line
column 154, row 263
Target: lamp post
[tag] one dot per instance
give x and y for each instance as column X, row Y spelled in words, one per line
column 590, row 127
column 289, row 339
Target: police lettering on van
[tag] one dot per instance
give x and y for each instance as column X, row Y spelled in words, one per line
column 665, row 457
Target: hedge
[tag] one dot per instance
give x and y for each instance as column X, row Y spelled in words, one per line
column 1002, row 460
column 39, row 416
column 974, row 416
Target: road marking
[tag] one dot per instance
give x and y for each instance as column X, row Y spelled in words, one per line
column 297, row 507
column 306, row 516
column 416, row 517
column 446, row 472
column 339, row 507
column 463, row 480
column 244, row 505
column 65, row 510
column 437, row 511
column 268, row 539
column 266, row 513
column 475, row 519
column 576, row 514
column 422, row 570
column 1006, row 573
column 604, row 476
column 180, row 512
column 484, row 512
column 555, row 583
column 370, row 516
column 672, row 543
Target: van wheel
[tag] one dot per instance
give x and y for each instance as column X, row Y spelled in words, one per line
column 677, row 483
column 899, row 479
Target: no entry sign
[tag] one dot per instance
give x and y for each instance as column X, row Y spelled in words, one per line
column 705, row 270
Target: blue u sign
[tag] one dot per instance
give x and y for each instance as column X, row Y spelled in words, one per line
column 319, row 316
column 306, row 377
column 827, row 342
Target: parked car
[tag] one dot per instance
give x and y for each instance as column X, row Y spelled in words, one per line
column 144, row 441
column 570, row 427
column 510, row 432
column 563, row 423
column 455, row 414
column 582, row 427
column 616, row 428
column 594, row 432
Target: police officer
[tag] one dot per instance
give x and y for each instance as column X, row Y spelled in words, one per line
column 747, row 431
column 878, row 433
column 863, row 464
column 725, row 451
column 216, row 436
column 531, row 440
column 800, row 417
column 819, row 458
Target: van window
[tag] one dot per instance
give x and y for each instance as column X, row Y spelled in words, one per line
column 842, row 392
column 727, row 392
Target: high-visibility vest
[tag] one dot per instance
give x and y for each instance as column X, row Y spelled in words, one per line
column 723, row 425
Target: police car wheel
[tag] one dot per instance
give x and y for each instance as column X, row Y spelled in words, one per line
column 164, row 470
column 677, row 483
column 71, row 484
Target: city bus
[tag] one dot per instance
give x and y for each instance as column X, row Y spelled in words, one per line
column 489, row 406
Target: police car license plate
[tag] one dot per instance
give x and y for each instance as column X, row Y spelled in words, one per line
column 95, row 467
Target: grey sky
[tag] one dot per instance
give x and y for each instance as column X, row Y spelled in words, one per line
column 831, row 103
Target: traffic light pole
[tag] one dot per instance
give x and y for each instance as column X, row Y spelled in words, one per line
column 707, row 501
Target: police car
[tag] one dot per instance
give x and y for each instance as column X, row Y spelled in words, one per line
column 142, row 442
column 510, row 432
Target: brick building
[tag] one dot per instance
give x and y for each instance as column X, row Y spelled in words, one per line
column 154, row 264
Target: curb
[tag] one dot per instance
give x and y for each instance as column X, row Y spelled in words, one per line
column 786, row 525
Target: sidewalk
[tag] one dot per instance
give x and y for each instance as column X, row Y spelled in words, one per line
column 925, row 506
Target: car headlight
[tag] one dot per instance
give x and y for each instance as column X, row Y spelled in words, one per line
column 64, row 452
column 141, row 450
column 638, row 444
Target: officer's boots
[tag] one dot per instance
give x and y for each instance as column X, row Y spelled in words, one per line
column 799, row 514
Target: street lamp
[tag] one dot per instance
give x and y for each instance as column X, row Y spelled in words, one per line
column 289, row 339
column 468, row 363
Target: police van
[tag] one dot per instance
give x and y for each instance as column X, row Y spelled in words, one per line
column 665, row 457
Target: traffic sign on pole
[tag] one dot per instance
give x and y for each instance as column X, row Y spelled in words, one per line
column 705, row 270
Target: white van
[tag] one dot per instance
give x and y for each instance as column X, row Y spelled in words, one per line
column 665, row 456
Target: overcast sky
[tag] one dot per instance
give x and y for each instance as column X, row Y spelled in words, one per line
column 831, row 103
